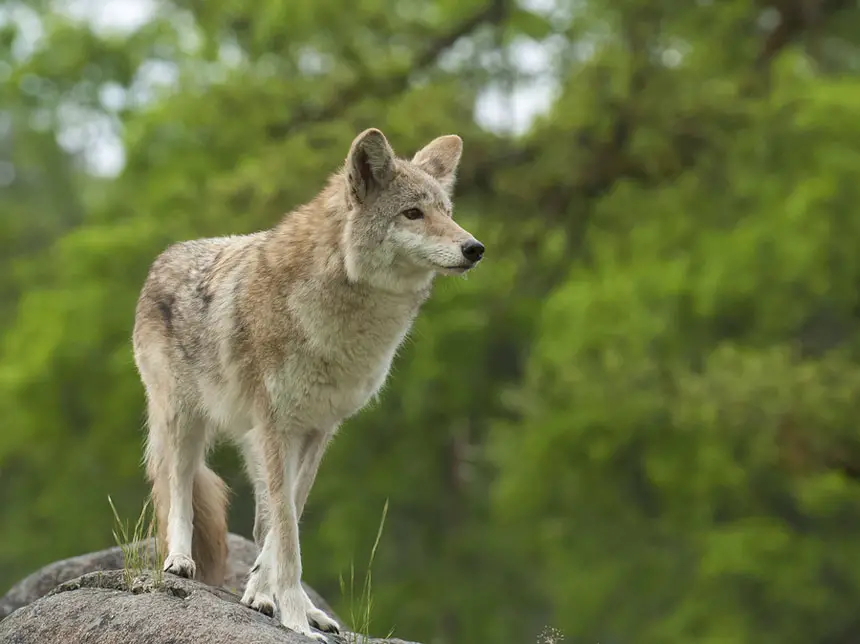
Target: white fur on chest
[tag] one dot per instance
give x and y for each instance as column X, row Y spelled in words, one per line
column 321, row 394
column 342, row 356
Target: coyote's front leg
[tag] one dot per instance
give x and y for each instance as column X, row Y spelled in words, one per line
column 312, row 449
column 279, row 564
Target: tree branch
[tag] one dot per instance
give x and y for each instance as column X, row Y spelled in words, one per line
column 796, row 18
column 492, row 13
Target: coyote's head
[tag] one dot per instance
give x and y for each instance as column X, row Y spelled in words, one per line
column 399, row 231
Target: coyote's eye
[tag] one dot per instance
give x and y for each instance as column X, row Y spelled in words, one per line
column 413, row 213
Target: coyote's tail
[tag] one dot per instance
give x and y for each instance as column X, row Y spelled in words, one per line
column 209, row 540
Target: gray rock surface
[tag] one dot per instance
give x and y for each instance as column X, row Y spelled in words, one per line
column 242, row 553
column 101, row 608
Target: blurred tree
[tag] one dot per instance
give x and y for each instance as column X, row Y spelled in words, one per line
column 634, row 422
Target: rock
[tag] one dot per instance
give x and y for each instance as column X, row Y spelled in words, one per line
column 242, row 553
column 103, row 608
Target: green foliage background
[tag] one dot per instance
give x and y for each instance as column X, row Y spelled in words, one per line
column 636, row 422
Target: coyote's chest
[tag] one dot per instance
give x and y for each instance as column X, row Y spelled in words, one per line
column 343, row 358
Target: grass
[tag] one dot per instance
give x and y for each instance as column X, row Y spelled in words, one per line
column 361, row 607
column 136, row 558
column 550, row 635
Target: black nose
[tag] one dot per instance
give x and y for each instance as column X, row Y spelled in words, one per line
column 473, row 250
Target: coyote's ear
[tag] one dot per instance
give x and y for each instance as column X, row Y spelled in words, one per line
column 370, row 164
column 440, row 159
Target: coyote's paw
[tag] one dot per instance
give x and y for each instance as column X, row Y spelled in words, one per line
column 301, row 626
column 294, row 606
column 260, row 602
column 180, row 565
column 318, row 618
column 257, row 595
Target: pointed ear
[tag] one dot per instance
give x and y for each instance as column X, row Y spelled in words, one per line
column 440, row 159
column 370, row 164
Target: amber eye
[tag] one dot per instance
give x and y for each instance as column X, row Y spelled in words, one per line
column 413, row 214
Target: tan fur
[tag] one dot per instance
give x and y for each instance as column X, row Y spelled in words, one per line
column 273, row 339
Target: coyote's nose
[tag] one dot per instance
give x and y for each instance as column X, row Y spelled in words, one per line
column 473, row 250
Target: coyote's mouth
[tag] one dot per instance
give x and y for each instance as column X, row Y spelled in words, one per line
column 458, row 269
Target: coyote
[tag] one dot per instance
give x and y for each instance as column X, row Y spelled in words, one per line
column 273, row 339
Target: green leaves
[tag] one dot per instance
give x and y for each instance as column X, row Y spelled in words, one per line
column 635, row 422
column 531, row 24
